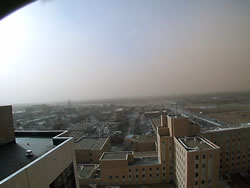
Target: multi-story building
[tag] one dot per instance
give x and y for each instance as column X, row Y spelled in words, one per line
column 196, row 162
column 127, row 168
column 123, row 168
column 40, row 159
column 119, row 114
column 235, row 148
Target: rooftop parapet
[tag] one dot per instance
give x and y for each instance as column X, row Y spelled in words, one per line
column 196, row 143
column 92, row 143
column 14, row 155
column 121, row 155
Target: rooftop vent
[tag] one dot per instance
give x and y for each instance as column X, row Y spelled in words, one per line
column 29, row 153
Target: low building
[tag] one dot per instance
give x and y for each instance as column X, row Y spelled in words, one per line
column 90, row 149
column 140, row 143
column 41, row 159
column 119, row 168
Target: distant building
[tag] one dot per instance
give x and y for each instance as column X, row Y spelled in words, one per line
column 119, row 114
column 40, row 159
column 152, row 114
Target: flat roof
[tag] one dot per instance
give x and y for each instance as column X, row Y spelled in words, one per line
column 156, row 122
column 176, row 115
column 146, row 161
column 92, row 143
column 195, row 143
column 219, row 129
column 152, row 112
column 146, row 138
column 146, row 154
column 119, row 109
column 121, row 155
column 85, row 171
column 13, row 155
column 76, row 134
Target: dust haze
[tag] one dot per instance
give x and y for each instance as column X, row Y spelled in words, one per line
column 195, row 48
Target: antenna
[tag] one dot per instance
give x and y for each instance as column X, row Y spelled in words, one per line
column 69, row 104
column 69, row 111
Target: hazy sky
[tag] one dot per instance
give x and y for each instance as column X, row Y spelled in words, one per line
column 88, row 49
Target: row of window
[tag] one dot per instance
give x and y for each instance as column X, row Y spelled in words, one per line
column 203, row 182
column 203, row 165
column 228, row 153
column 238, row 164
column 137, row 176
column 232, row 159
column 203, row 156
column 143, row 169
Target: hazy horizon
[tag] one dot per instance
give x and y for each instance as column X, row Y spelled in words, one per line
column 87, row 50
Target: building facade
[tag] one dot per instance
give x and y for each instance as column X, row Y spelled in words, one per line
column 127, row 168
column 41, row 159
column 196, row 162
column 235, row 148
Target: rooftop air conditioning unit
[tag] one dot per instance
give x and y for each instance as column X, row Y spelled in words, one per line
column 29, row 153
